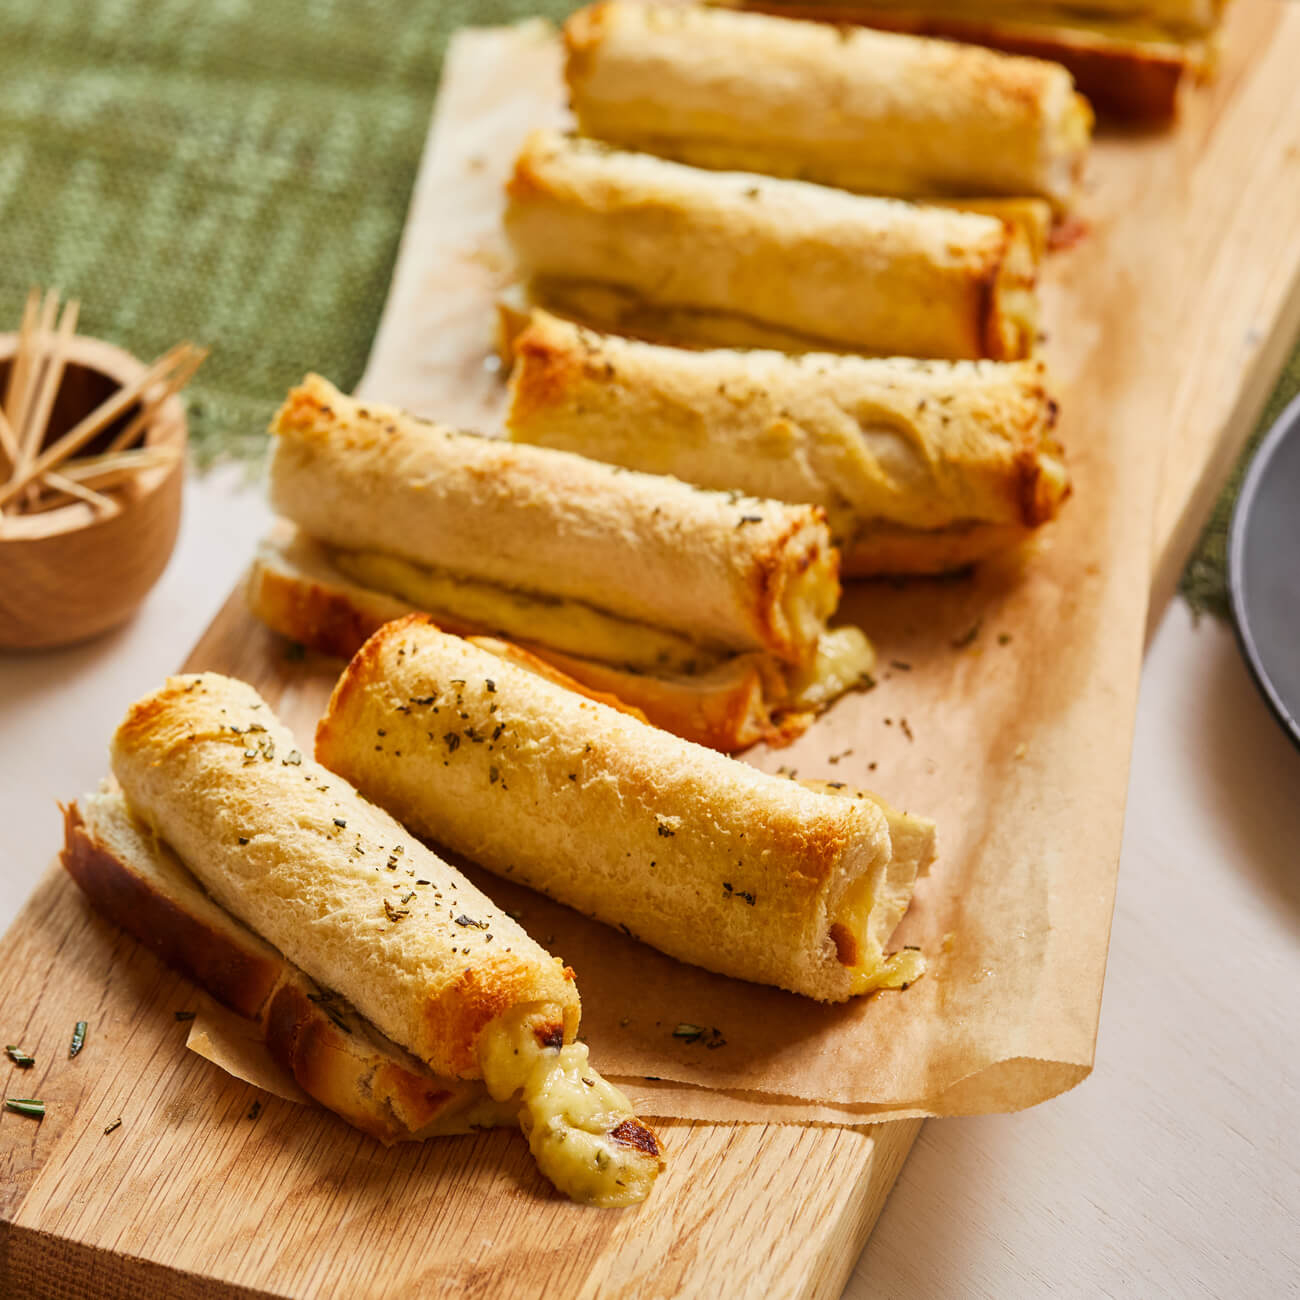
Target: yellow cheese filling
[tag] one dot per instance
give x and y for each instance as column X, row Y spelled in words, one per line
column 565, row 625
column 844, row 659
column 580, row 1128
column 869, row 968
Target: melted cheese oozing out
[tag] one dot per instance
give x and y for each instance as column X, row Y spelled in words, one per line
column 871, row 969
column 810, row 598
column 844, row 658
column 580, row 1128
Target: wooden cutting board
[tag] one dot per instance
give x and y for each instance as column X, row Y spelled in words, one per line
column 199, row 1192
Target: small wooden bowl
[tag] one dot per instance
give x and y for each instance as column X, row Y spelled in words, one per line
column 71, row 573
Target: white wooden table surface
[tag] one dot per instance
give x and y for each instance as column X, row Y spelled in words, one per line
column 1173, row 1170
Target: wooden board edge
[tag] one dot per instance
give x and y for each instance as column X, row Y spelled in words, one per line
column 39, row 1265
column 844, row 1244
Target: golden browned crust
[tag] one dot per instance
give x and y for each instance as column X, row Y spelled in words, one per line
column 1129, row 80
column 887, row 553
column 728, row 708
column 919, row 465
column 726, row 258
column 321, row 1042
column 333, row 619
column 500, row 518
column 705, row 858
column 870, row 113
column 204, row 758
column 389, row 1098
column 239, row 977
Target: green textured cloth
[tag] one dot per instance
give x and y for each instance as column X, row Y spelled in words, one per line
column 1205, row 580
column 237, row 172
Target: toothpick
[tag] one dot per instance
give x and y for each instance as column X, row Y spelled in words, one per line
column 104, row 414
column 183, row 374
column 16, row 388
column 38, row 412
column 41, row 395
column 70, row 487
column 8, row 443
column 111, row 470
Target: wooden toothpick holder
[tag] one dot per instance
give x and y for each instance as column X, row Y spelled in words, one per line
column 74, row 571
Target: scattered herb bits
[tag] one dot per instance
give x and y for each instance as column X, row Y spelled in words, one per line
column 710, row 1038
column 28, row 1106
column 23, row 1060
column 78, row 1039
column 117, row 1123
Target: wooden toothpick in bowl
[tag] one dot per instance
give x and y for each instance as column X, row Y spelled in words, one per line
column 34, row 472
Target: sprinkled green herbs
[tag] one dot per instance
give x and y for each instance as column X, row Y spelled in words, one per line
column 729, row 891
column 968, row 637
column 340, row 823
column 117, row 1123
column 292, row 759
column 20, row 1058
column 452, row 741
column 78, row 1039
column 710, row 1038
column 471, row 922
column 255, row 1110
column 28, row 1106
column 749, row 519
column 394, row 913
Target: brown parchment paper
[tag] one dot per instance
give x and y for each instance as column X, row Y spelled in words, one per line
column 1005, row 700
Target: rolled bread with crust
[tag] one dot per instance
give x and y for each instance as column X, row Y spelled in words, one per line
column 728, row 572
column 832, row 269
column 332, row 882
column 917, row 464
column 1128, row 59
column 703, row 857
column 294, row 587
column 337, row 1058
column 867, row 111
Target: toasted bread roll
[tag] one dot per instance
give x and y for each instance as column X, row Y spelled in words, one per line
column 338, row 1059
column 726, row 572
column 707, row 859
column 369, row 913
column 1128, row 58
column 829, row 269
column 917, row 463
column 294, row 587
column 332, row 882
column 138, row 883
column 866, row 111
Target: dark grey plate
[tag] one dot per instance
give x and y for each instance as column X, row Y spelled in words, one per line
column 1264, row 568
